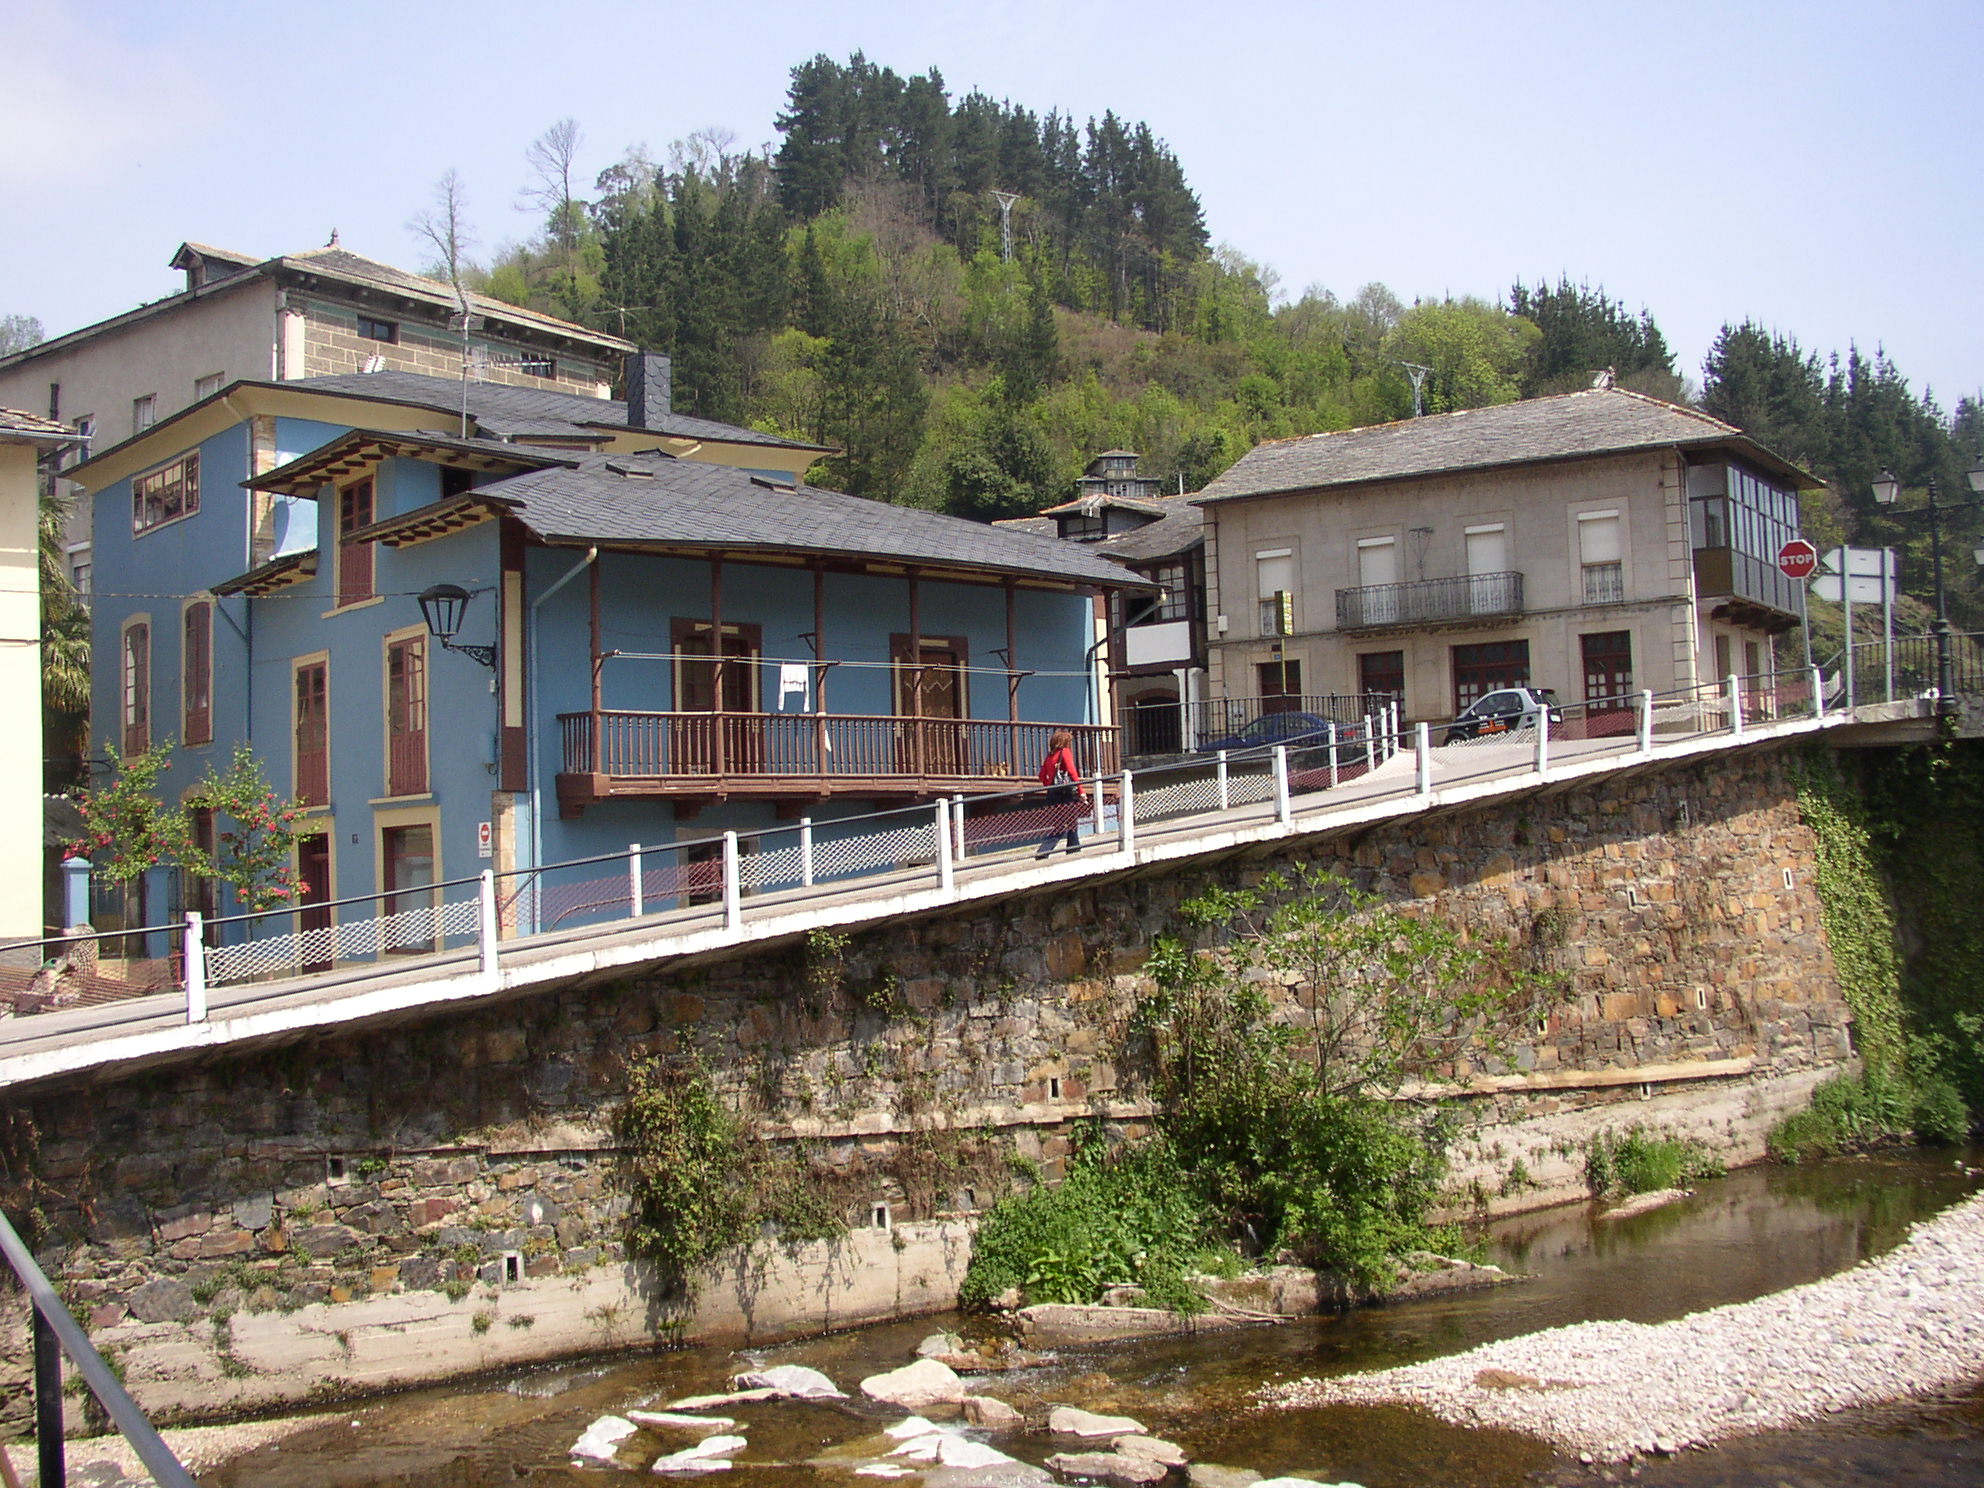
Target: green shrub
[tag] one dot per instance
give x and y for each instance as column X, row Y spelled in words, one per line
column 1640, row 1161
column 1851, row 1113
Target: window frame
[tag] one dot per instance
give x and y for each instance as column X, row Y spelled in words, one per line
column 369, row 327
column 406, row 713
column 134, row 685
column 185, row 502
column 320, row 662
column 196, row 672
column 357, row 562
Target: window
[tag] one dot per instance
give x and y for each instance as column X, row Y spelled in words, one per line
column 408, row 854
column 1082, row 526
column 196, row 673
column 1382, row 674
column 455, row 480
column 136, row 682
column 406, row 716
column 1173, row 603
column 1480, row 669
column 1487, row 563
column 1377, row 599
column 167, row 494
column 1608, row 666
column 86, row 427
column 1281, row 685
column 206, row 387
column 80, row 567
column 378, row 330
column 537, row 364
column 1274, row 583
column 144, row 412
column 1600, row 553
column 354, row 558
column 313, row 733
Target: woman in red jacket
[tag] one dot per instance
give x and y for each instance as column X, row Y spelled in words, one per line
column 1065, row 791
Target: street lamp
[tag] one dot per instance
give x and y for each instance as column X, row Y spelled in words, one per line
column 442, row 607
column 1887, row 491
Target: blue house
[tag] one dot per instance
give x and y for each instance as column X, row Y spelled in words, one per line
column 473, row 626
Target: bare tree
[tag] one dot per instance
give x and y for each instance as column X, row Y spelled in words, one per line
column 443, row 224
column 552, row 157
column 18, row 333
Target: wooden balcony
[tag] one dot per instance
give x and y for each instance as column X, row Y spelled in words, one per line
column 695, row 758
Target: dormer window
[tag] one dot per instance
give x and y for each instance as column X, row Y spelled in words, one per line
column 1082, row 526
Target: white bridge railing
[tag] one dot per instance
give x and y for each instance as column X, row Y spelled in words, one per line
column 704, row 887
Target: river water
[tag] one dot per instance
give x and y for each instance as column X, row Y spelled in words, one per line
column 1756, row 1231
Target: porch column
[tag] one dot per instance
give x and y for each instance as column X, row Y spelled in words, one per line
column 1012, row 678
column 717, row 753
column 821, row 750
column 599, row 751
column 916, row 670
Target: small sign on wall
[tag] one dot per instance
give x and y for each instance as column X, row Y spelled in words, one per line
column 485, row 844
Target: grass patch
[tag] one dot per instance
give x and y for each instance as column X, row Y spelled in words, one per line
column 1641, row 1161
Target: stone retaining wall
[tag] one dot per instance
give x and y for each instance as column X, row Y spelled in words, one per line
column 427, row 1199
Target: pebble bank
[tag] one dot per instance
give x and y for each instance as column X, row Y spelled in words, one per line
column 1908, row 1323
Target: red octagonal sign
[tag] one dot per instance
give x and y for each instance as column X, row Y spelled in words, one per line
column 1798, row 558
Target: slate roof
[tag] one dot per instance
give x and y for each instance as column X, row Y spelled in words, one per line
column 541, row 410
column 17, row 427
column 667, row 502
column 1179, row 530
column 1595, row 421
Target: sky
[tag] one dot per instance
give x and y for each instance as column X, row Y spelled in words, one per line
column 1799, row 165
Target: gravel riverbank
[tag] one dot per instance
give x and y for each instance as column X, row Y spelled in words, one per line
column 1908, row 1323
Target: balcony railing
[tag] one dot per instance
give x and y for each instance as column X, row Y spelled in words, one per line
column 1429, row 600
column 629, row 753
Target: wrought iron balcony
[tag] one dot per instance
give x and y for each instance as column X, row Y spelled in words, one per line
column 1429, row 601
column 618, row 752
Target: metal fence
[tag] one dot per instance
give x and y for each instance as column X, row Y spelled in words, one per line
column 467, row 926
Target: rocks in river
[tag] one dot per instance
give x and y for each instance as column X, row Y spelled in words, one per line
column 1156, row 1449
column 790, row 1382
column 733, row 1397
column 991, row 1413
column 926, row 1382
column 939, row 1344
column 602, row 1439
column 711, row 1454
column 1067, row 1420
column 1109, row 1467
column 677, row 1421
column 1211, row 1475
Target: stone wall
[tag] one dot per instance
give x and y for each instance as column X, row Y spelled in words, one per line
column 405, row 1197
column 333, row 347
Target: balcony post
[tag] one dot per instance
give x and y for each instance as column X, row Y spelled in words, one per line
column 1224, row 794
column 733, row 894
column 1284, row 809
column 485, row 924
column 635, row 906
column 1126, row 816
column 1733, row 687
column 957, row 828
column 1646, row 722
column 1543, row 741
column 945, row 879
column 806, row 852
column 196, row 969
column 1422, row 748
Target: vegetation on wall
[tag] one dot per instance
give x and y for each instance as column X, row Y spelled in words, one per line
column 1899, row 847
column 1283, row 1028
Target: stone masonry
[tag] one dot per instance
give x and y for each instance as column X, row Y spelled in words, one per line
column 361, row 1210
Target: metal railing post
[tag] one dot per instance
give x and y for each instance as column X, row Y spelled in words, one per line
column 1126, row 816
column 1394, row 727
column 196, row 969
column 806, row 852
column 1819, row 693
column 1284, row 809
column 1333, row 779
column 1542, row 740
column 48, row 1403
column 1225, row 795
column 1422, row 747
column 1646, row 722
column 485, row 922
column 636, row 902
column 733, row 892
column 946, row 880
column 1734, row 687
column 957, row 828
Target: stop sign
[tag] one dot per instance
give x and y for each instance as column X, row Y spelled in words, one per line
column 1798, row 558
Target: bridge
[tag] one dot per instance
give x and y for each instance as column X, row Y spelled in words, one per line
column 165, row 994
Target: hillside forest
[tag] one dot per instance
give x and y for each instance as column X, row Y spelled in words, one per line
column 858, row 285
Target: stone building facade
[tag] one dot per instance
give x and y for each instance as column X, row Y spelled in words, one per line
column 398, row 1205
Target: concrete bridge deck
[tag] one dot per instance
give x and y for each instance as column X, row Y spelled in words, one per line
column 117, row 1038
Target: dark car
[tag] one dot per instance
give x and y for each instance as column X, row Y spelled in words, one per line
column 1300, row 730
column 1503, row 711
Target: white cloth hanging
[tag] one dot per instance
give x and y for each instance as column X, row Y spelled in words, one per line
column 794, row 681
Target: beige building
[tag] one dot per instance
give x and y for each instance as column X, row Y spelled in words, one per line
column 24, row 439
column 313, row 314
column 1597, row 543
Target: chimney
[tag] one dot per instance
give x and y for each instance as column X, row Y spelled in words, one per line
column 650, row 378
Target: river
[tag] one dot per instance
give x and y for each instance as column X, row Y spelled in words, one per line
column 1756, row 1231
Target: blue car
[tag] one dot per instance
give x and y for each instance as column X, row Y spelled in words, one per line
column 1300, row 730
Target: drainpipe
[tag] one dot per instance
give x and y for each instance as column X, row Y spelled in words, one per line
column 531, row 721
